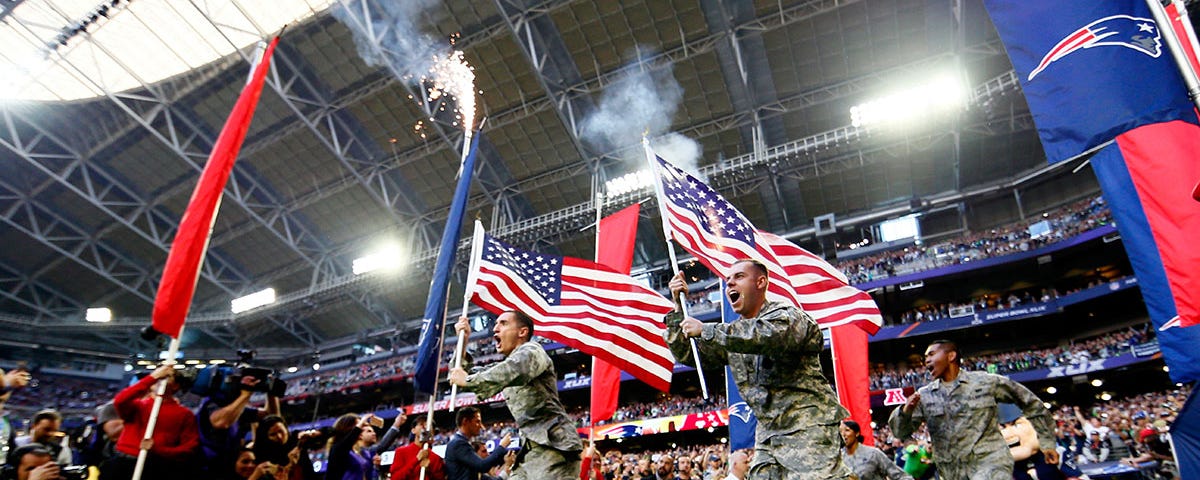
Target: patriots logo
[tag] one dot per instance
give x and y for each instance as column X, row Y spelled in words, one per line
column 1137, row 33
column 1172, row 323
column 742, row 411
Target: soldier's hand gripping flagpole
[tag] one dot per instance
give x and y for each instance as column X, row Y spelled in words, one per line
column 662, row 211
column 472, row 279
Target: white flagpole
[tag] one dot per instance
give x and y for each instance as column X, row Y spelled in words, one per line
column 662, row 212
column 161, row 389
column 472, row 278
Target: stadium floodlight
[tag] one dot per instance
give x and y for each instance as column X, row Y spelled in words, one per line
column 253, row 300
column 292, row 369
column 630, row 182
column 98, row 315
column 386, row 258
column 1097, row 382
column 941, row 94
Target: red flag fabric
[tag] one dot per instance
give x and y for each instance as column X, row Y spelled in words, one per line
column 1162, row 159
column 580, row 303
column 1181, row 33
column 174, row 297
column 614, row 249
column 850, row 370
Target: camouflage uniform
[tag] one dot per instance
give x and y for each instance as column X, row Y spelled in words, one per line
column 961, row 416
column 774, row 360
column 549, row 442
column 869, row 463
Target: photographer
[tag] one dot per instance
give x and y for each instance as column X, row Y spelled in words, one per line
column 9, row 382
column 275, row 445
column 224, row 421
column 32, row 462
column 44, row 430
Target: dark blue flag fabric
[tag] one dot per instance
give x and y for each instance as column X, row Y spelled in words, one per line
column 742, row 421
column 430, row 348
column 1185, row 437
column 1089, row 70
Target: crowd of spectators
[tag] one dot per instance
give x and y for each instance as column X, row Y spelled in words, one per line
column 62, row 393
column 1064, row 222
column 388, row 367
column 697, row 462
column 664, row 407
column 1077, row 352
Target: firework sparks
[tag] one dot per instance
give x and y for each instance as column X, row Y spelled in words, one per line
column 451, row 75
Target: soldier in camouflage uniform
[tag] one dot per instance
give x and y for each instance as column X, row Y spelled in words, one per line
column 868, row 463
column 550, row 445
column 960, row 410
column 773, row 354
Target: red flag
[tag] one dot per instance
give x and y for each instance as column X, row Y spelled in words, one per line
column 191, row 242
column 579, row 303
column 850, row 369
column 615, row 240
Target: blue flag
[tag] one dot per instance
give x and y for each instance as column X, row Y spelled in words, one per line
column 1185, row 433
column 1089, row 70
column 430, row 349
column 742, row 421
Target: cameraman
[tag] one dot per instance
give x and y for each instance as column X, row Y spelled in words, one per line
column 223, row 426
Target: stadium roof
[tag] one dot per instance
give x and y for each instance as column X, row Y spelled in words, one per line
column 111, row 116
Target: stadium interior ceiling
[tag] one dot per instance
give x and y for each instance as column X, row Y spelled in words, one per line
column 343, row 157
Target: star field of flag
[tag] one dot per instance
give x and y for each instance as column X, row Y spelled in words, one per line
column 541, row 271
column 721, row 218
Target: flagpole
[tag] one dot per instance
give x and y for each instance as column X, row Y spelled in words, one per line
column 662, row 212
column 472, row 278
column 728, row 396
column 598, row 198
column 1167, row 29
column 161, row 389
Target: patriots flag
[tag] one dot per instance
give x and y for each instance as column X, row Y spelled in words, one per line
column 579, row 303
column 1090, row 70
column 1097, row 75
column 718, row 235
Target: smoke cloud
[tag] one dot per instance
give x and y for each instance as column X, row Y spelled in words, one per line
column 392, row 26
column 642, row 100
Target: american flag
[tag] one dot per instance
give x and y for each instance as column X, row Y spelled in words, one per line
column 718, row 235
column 578, row 303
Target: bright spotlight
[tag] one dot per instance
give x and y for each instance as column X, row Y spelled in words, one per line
column 1097, row 382
column 1051, row 390
column 941, row 94
column 253, row 300
column 1105, row 396
column 385, row 258
column 292, row 369
column 98, row 315
column 630, row 182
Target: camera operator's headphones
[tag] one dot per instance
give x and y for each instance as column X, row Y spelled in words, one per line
column 9, row 470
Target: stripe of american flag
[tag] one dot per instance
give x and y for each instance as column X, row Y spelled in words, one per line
column 718, row 235
column 579, row 303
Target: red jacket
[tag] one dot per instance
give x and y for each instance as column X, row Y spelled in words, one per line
column 175, row 435
column 406, row 467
